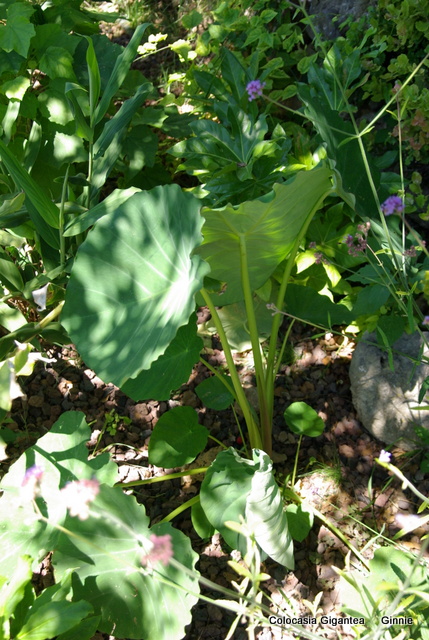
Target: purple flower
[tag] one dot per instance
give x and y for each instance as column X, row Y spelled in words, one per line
column 254, row 89
column 320, row 258
column 358, row 243
column 411, row 252
column 162, row 551
column 30, row 485
column 425, row 320
column 392, row 205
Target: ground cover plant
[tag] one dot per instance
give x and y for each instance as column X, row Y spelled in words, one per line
column 270, row 196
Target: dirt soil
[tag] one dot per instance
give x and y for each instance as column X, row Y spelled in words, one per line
column 336, row 470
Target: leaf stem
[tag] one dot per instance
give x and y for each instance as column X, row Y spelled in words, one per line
column 265, row 414
column 252, row 426
column 170, row 476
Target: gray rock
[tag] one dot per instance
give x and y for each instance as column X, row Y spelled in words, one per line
column 325, row 11
column 384, row 398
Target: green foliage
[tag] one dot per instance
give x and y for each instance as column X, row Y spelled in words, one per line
column 235, row 487
column 303, row 420
column 177, row 438
column 104, row 550
column 144, row 292
column 395, row 577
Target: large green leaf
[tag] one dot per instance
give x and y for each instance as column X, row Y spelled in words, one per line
column 266, row 230
column 306, row 304
column 133, row 282
column 265, row 515
column 234, row 487
column 170, row 370
column 53, row 618
column 224, row 492
column 106, row 554
column 63, row 455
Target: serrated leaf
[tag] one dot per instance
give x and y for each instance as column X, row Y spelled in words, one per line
column 123, row 309
column 177, row 438
column 16, row 34
column 57, row 62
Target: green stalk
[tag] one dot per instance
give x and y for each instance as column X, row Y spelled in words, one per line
column 295, row 466
column 219, row 376
column 265, row 417
column 180, row 509
column 252, row 426
column 61, row 218
column 170, row 476
column 272, row 367
column 50, row 317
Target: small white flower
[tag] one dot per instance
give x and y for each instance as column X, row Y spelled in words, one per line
column 408, row 522
column 384, row 456
column 39, row 297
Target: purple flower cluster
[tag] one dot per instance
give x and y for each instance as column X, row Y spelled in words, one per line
column 254, row 89
column 320, row 258
column 393, row 204
column 358, row 243
column 425, row 321
column 162, row 551
column 411, row 252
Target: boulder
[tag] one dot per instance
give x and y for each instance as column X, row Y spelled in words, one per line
column 384, row 396
column 325, row 11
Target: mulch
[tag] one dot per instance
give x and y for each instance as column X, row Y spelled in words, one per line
column 337, row 472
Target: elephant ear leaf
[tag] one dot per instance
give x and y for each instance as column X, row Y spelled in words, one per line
column 265, row 230
column 133, row 282
column 265, row 514
column 236, row 488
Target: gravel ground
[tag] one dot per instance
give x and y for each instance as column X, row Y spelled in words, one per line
column 335, row 469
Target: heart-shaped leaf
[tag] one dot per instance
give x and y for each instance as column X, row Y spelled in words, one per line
column 263, row 230
column 133, row 282
column 214, row 393
column 303, row 420
column 177, row 438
